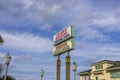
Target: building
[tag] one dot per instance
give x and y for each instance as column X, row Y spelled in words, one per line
column 102, row 70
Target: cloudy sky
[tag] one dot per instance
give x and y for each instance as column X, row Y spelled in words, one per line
column 28, row 26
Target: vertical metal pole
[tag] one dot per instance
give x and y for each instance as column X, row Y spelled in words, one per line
column 74, row 75
column 58, row 68
column 41, row 77
column 68, row 67
column 6, row 70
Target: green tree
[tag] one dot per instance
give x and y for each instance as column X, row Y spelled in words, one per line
column 8, row 78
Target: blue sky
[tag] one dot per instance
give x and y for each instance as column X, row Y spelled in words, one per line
column 28, row 26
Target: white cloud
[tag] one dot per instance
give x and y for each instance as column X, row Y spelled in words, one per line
column 109, row 23
column 43, row 15
column 46, row 27
column 89, row 34
column 27, row 3
column 26, row 42
column 108, row 50
column 28, row 12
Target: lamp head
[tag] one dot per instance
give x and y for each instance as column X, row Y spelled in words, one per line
column 7, row 58
column 41, row 73
column 74, row 67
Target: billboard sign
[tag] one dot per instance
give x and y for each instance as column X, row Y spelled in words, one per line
column 63, row 35
column 63, row 47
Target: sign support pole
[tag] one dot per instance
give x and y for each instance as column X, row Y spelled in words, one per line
column 63, row 43
column 68, row 66
column 58, row 68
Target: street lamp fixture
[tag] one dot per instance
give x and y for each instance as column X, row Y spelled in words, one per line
column 1, row 40
column 41, row 74
column 74, row 68
column 7, row 59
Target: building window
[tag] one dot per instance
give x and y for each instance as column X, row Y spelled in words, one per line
column 99, row 67
column 96, row 67
column 96, row 78
column 115, row 74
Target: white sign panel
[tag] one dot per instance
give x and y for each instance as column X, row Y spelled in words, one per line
column 63, row 35
column 63, row 47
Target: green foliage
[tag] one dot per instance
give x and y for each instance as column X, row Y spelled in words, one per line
column 2, row 78
column 8, row 78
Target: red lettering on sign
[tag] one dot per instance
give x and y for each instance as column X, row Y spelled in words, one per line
column 61, row 34
column 62, row 45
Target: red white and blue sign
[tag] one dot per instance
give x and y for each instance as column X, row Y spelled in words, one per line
column 63, row 35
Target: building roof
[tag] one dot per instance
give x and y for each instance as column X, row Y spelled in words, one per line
column 116, row 65
column 104, row 61
column 86, row 72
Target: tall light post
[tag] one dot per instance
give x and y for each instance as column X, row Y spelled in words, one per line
column 74, row 68
column 7, row 59
column 41, row 74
